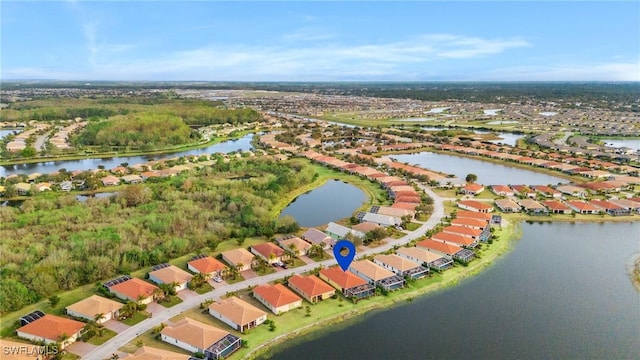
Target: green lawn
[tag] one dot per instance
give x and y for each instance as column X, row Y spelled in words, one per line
column 138, row 317
column 203, row 289
column 233, row 281
column 412, row 226
column 267, row 269
column 173, row 300
column 99, row 340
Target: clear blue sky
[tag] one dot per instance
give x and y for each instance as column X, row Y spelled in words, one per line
column 320, row 41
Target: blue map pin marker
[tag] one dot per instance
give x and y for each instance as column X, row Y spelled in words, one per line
column 344, row 260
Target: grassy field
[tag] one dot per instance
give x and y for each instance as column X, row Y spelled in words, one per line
column 173, row 300
column 139, row 316
column 99, row 340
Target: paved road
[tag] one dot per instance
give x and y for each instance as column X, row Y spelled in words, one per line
column 39, row 143
column 112, row 346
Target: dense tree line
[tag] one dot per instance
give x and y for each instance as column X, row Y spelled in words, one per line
column 55, row 244
column 140, row 130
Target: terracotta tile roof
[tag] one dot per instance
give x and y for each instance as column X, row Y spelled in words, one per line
column 237, row 310
column 607, row 205
column 134, row 288
column 457, row 239
column 344, row 279
column 94, row 305
column 268, row 249
column 469, row 222
column 299, row 244
column 51, row 327
column 207, row 265
column 475, row 204
column 439, row 246
column 194, row 333
column 311, row 285
column 404, row 205
column 276, row 295
column 556, row 205
column 581, row 205
column 501, row 189
column 473, row 187
column 365, row 227
column 151, row 353
column 370, row 269
column 473, row 215
column 170, row 274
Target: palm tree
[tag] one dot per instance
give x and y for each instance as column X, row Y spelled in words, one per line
column 98, row 317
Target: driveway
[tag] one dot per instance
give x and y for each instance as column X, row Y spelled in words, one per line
column 81, row 348
column 186, row 294
column 116, row 326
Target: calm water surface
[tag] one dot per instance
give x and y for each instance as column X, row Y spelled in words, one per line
column 5, row 132
column 332, row 201
column 563, row 292
column 488, row 173
column 243, row 144
column 630, row 143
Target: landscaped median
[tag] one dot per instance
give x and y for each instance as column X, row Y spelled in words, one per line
column 298, row 321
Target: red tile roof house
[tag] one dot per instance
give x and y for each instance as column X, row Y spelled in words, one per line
column 472, row 189
column 547, row 191
column 611, row 208
column 311, row 288
column 476, row 206
column 472, row 223
column 350, row 284
column 455, row 239
column 473, row 215
column 556, row 207
column 582, row 207
column 50, row 329
column 206, row 265
column 502, row 190
column 135, row 290
column 523, row 190
column 277, row 298
column 270, row 252
column 317, row 237
column 447, row 250
column 171, row 275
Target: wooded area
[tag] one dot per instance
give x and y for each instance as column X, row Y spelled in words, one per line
column 54, row 244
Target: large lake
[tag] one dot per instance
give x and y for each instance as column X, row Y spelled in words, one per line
column 332, row 201
column 563, row 292
column 630, row 143
column 488, row 173
column 243, row 144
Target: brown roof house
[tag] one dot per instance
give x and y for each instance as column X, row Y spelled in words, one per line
column 51, row 329
column 401, row 266
column 376, row 275
column 311, row 288
column 170, row 274
column 277, row 298
column 93, row 306
column 197, row 337
column 270, row 252
column 237, row 313
column 151, row 353
column 295, row 245
column 241, row 258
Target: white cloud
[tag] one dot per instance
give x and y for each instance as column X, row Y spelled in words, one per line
column 614, row 71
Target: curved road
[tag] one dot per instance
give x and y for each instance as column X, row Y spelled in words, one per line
column 111, row 347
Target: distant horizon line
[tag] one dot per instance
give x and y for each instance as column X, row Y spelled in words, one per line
column 320, row 81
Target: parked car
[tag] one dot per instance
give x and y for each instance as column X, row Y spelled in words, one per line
column 217, row 279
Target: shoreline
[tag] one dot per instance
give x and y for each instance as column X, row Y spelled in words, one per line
column 510, row 233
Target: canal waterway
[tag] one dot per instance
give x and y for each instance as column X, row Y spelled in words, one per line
column 332, row 201
column 488, row 173
column 562, row 292
column 243, row 144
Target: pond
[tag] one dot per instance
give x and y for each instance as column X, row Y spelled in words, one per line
column 488, row 173
column 84, row 198
column 551, row 297
column 243, row 144
column 618, row 143
column 332, row 201
column 5, row 132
